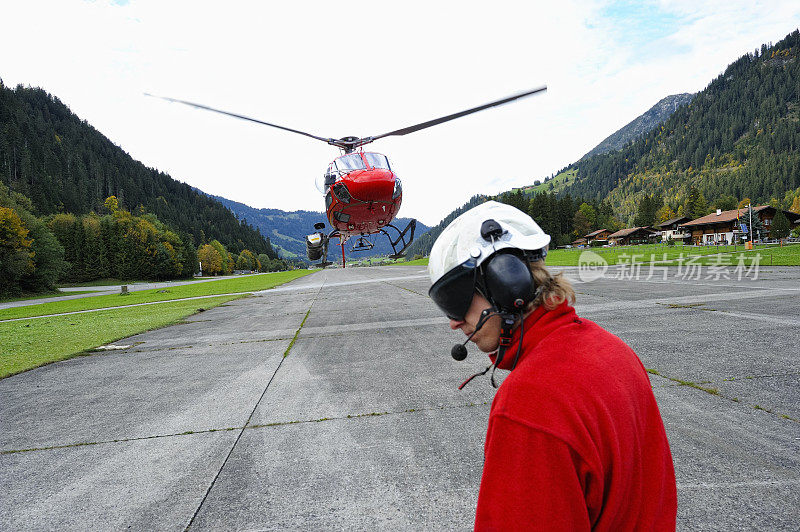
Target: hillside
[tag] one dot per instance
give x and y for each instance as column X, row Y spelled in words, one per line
column 738, row 138
column 65, row 165
column 287, row 230
column 423, row 243
column 642, row 124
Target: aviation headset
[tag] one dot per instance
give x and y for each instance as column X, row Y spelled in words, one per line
column 504, row 279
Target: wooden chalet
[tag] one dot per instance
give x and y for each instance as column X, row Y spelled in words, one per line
column 723, row 227
column 631, row 235
column 601, row 235
column 671, row 229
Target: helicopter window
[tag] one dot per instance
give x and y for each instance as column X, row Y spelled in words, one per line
column 350, row 162
column 376, row 160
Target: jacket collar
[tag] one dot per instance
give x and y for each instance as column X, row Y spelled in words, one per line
column 538, row 325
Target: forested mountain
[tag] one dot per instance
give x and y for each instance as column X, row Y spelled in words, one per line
column 287, row 230
column 64, row 165
column 424, row 242
column 642, row 124
column 733, row 142
column 737, row 138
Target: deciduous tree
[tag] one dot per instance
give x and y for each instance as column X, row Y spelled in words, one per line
column 210, row 259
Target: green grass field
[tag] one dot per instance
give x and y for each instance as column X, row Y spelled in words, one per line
column 644, row 254
column 29, row 344
column 416, row 262
column 247, row 283
column 766, row 255
column 559, row 182
column 44, row 296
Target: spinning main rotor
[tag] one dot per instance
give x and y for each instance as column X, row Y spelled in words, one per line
column 349, row 144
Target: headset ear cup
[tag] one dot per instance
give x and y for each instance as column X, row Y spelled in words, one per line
column 509, row 282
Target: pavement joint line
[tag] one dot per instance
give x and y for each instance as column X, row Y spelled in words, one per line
column 682, row 300
column 116, row 440
column 369, row 414
column 684, row 282
column 715, row 392
column 245, row 427
column 125, row 306
column 297, row 333
column 174, row 347
column 342, row 283
column 743, row 484
column 404, row 288
column 376, row 325
column 752, row 377
column 252, row 413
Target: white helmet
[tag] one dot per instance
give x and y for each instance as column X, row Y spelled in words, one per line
column 468, row 241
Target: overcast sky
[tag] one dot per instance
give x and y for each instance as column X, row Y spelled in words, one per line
column 364, row 68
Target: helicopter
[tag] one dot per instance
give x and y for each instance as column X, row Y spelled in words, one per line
column 362, row 192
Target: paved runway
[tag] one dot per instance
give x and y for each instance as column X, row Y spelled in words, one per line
column 331, row 403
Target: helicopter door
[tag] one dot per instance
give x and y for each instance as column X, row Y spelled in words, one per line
column 323, row 183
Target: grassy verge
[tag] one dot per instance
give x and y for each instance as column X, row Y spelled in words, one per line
column 770, row 255
column 44, row 296
column 417, row 262
column 30, row 344
column 117, row 282
column 249, row 283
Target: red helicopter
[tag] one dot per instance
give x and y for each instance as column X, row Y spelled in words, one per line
column 362, row 193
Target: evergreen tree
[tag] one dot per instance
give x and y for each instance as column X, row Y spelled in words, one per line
column 581, row 224
column 64, row 165
column 781, row 227
column 648, row 207
column 263, row 262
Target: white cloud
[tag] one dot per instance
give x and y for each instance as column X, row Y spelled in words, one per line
column 366, row 69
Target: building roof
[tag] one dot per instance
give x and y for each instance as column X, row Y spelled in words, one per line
column 723, row 217
column 627, row 232
column 595, row 233
column 673, row 220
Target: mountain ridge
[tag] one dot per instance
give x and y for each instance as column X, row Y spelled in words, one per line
column 287, row 229
column 642, row 124
column 63, row 164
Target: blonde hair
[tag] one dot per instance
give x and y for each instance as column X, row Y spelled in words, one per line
column 553, row 289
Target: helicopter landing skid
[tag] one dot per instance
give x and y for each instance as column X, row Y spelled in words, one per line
column 401, row 238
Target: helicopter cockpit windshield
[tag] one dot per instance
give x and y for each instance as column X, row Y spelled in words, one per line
column 348, row 163
column 341, row 166
column 376, row 160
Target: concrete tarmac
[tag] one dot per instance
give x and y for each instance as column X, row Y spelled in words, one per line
column 331, row 403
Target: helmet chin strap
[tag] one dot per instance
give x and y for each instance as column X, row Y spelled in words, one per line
column 507, row 321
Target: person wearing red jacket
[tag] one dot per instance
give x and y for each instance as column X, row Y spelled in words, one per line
column 575, row 439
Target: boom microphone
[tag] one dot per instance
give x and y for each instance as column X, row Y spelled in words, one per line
column 459, row 351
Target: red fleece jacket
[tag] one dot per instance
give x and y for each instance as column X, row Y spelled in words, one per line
column 575, row 439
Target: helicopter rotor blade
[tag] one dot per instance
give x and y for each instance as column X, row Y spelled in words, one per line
column 437, row 121
column 242, row 117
